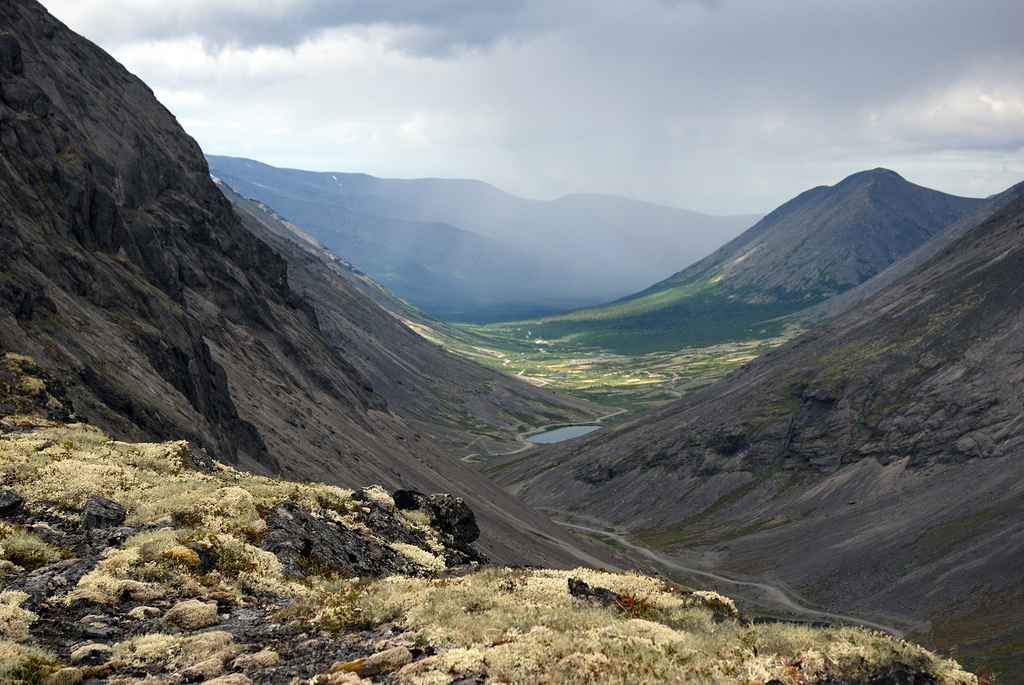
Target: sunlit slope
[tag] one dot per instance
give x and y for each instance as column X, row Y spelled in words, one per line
column 822, row 243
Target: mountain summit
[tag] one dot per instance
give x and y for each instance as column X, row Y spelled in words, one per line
column 824, row 242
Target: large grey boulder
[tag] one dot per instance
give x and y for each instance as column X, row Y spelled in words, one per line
column 100, row 512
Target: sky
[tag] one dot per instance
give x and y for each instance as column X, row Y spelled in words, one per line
column 717, row 106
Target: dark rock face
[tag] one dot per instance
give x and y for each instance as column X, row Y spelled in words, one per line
column 100, row 512
column 10, row 501
column 455, row 518
column 301, row 542
column 893, row 674
column 126, row 275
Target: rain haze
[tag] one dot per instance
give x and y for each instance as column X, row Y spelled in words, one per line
column 718, row 106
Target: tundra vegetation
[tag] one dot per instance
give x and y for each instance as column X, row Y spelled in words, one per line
column 633, row 380
column 501, row 624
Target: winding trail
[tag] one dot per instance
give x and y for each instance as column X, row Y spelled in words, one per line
column 775, row 593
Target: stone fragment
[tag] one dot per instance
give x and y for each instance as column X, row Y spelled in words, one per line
column 100, row 512
column 455, row 518
column 91, row 654
column 204, row 670
column 192, row 614
column 65, row 676
column 10, row 502
column 578, row 588
column 388, row 660
column 143, row 612
column 261, row 659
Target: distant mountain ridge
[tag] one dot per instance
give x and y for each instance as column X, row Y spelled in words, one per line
column 822, row 243
column 464, row 248
column 468, row 408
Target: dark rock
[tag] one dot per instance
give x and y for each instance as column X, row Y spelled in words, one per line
column 386, row 526
column 475, row 679
column 890, row 674
column 10, row 502
column 100, row 512
column 206, row 560
column 306, row 545
column 407, row 500
column 578, row 588
column 455, row 518
column 11, row 63
column 197, row 458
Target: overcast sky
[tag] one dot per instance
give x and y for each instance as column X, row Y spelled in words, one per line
column 719, row 106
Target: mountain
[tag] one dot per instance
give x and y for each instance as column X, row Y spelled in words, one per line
column 822, row 243
column 468, row 408
column 129, row 282
column 464, row 249
column 872, row 464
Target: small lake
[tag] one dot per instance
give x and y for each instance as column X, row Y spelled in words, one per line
column 560, row 434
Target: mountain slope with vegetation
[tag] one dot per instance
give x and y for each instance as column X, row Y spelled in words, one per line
column 130, row 281
column 818, row 245
column 505, row 256
column 872, row 464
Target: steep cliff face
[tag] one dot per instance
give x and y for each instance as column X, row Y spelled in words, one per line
column 126, row 276
column 872, row 463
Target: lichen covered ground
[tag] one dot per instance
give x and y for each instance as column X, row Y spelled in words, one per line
column 184, row 590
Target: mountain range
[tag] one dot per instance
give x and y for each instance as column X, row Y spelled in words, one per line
column 825, row 242
column 870, row 465
column 462, row 249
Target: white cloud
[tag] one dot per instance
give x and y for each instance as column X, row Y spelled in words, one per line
column 729, row 106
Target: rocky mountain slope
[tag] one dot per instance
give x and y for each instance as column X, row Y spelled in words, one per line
column 458, row 248
column 189, row 571
column 871, row 464
column 129, row 280
column 816, row 246
column 466, row 407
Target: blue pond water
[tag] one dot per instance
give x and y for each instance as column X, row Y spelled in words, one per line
column 560, row 434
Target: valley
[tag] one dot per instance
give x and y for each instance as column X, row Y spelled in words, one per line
column 632, row 383
column 266, row 426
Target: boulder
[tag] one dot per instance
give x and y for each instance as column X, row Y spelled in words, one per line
column 455, row 518
column 100, row 512
column 192, row 614
column 579, row 589
column 305, row 545
column 10, row 502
